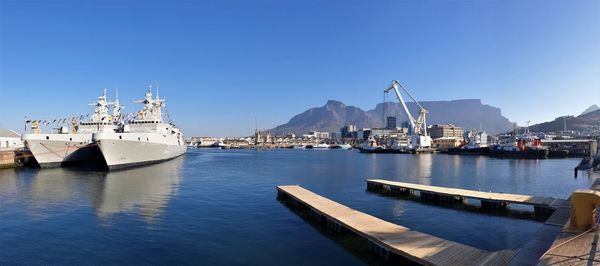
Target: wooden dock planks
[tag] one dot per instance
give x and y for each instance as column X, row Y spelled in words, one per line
column 465, row 193
column 419, row 247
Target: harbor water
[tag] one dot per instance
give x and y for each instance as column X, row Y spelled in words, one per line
column 219, row 207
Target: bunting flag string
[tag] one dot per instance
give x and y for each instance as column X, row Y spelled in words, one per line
column 122, row 117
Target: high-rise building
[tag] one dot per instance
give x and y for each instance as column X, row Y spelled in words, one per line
column 391, row 122
column 348, row 131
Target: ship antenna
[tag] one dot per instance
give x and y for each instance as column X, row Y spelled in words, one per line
column 158, row 98
column 117, row 99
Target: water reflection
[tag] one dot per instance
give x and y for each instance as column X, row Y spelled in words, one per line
column 456, row 164
column 145, row 190
column 424, row 163
column 480, row 165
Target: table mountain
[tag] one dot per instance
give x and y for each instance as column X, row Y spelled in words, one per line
column 469, row 114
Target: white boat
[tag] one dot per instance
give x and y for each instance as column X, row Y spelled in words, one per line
column 75, row 145
column 221, row 145
column 345, row 146
column 192, row 145
column 321, row 146
column 144, row 140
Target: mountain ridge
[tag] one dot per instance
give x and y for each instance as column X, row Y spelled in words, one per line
column 581, row 122
column 335, row 114
column 590, row 109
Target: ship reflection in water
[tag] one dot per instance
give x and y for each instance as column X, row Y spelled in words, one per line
column 144, row 191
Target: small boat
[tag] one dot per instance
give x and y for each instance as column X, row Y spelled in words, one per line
column 321, row 146
column 345, row 146
column 586, row 163
column 192, row 145
column 220, row 145
column 298, row 147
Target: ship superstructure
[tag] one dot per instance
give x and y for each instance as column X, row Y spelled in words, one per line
column 143, row 140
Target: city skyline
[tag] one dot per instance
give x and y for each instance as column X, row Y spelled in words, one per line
column 223, row 65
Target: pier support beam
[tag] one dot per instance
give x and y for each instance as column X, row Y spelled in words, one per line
column 378, row 250
column 400, row 191
column 451, row 199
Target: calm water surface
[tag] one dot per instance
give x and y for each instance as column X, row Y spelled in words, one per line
column 219, row 207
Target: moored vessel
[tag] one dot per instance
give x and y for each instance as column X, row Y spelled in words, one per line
column 67, row 146
column 522, row 147
column 475, row 143
column 143, row 140
column 371, row 145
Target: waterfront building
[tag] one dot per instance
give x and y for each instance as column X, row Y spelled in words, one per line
column 475, row 138
column 445, row 130
column 576, row 147
column 445, row 143
column 316, row 135
column 10, row 140
column 363, row 133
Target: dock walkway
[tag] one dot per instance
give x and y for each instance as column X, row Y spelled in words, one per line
column 557, row 211
column 416, row 246
column 540, row 204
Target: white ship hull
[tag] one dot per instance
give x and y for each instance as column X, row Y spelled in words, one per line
column 55, row 150
column 123, row 150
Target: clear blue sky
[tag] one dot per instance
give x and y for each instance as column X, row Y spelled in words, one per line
column 220, row 64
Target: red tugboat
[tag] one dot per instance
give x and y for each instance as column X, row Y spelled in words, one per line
column 525, row 146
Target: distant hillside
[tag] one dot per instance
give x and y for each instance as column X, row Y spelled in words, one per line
column 468, row 114
column 591, row 109
column 578, row 123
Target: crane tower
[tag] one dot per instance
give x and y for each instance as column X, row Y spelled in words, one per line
column 420, row 140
